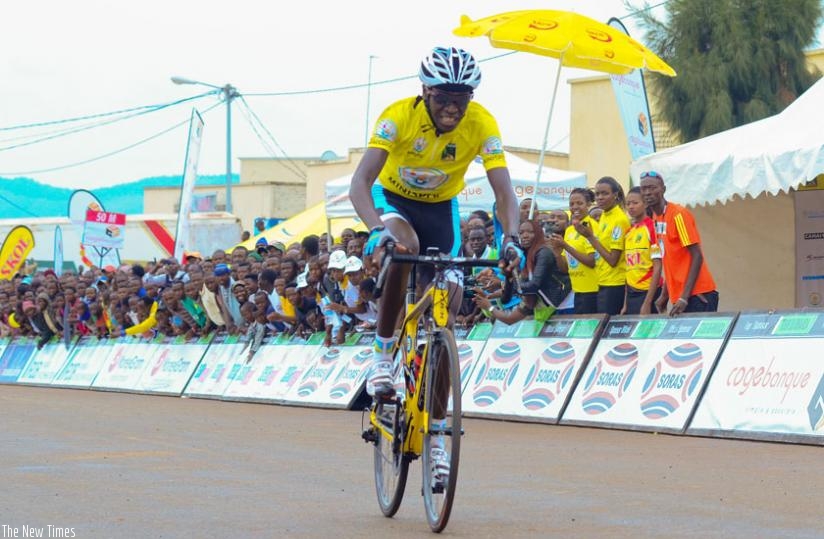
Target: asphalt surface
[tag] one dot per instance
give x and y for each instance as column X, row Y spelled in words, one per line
column 98, row 464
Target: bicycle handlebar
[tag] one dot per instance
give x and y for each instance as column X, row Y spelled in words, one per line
column 389, row 257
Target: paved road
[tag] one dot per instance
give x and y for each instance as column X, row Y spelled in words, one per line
column 120, row 465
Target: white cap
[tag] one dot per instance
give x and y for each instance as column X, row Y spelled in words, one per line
column 300, row 282
column 337, row 260
column 353, row 263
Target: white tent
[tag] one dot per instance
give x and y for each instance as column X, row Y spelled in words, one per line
column 772, row 155
column 553, row 191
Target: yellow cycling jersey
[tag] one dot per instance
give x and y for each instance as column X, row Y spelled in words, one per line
column 424, row 165
column 611, row 230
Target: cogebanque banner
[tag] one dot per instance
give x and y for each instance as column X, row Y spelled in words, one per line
column 769, row 382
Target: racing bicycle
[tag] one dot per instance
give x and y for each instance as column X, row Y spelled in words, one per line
column 426, row 407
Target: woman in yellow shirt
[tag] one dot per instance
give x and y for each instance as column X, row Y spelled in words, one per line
column 607, row 239
column 578, row 252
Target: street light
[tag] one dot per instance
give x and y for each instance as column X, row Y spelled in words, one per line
column 229, row 93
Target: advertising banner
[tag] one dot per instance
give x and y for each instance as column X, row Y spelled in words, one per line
column 45, row 363
column 4, row 343
column 647, row 372
column 211, row 377
column 15, row 357
column 104, row 229
column 335, row 375
column 470, row 342
column 528, row 370
column 631, row 95
column 85, row 361
column 16, row 247
column 254, row 380
column 809, row 243
column 183, row 233
column 299, row 355
column 769, row 382
column 80, row 202
column 128, row 358
column 171, row 365
column 58, row 251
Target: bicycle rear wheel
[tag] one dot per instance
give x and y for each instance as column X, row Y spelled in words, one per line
column 391, row 466
column 443, row 407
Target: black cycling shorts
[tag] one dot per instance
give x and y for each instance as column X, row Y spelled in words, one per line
column 437, row 224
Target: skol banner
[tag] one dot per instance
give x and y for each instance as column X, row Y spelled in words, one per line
column 769, row 382
column 647, row 372
column 15, row 249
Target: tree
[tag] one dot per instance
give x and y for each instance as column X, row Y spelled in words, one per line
column 737, row 60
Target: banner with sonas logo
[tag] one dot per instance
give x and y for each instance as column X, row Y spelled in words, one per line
column 647, row 373
column 769, row 383
column 528, row 370
column 809, row 243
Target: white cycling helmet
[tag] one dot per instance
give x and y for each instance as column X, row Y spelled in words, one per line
column 452, row 66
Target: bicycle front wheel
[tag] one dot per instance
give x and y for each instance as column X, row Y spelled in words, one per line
column 391, row 466
column 442, row 440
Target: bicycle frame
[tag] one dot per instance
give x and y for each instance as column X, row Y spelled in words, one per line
column 416, row 420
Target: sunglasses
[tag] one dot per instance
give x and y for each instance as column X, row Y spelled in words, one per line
column 651, row 174
column 443, row 99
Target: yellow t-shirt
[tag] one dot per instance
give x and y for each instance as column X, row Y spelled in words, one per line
column 611, row 230
column 641, row 249
column 428, row 167
column 584, row 278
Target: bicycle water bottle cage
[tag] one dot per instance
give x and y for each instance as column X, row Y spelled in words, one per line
column 432, row 251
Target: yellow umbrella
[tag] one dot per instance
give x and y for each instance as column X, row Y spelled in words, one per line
column 576, row 40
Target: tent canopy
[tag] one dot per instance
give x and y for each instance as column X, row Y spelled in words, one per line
column 553, row 191
column 772, row 155
column 294, row 229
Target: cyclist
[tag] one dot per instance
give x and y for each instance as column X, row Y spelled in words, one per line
column 418, row 152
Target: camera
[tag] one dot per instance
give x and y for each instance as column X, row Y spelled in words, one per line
column 470, row 282
column 549, row 228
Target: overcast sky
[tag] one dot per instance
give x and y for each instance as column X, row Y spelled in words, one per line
column 68, row 59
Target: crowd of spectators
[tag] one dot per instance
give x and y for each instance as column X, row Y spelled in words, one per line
column 322, row 286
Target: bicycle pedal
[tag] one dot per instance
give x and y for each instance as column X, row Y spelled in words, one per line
column 370, row 436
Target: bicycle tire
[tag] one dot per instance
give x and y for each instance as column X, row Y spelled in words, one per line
column 439, row 495
column 391, row 466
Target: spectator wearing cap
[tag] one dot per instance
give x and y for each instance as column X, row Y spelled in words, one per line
column 354, row 275
column 333, row 300
column 262, row 246
column 276, row 247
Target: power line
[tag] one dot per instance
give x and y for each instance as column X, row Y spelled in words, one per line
column 103, row 114
column 355, row 86
column 296, row 170
column 71, row 131
column 109, row 154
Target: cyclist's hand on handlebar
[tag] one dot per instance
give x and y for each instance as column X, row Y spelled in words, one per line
column 378, row 237
column 513, row 257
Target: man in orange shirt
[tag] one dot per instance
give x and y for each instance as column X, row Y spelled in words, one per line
column 687, row 280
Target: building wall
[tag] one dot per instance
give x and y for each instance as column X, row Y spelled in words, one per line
column 597, row 142
column 249, row 200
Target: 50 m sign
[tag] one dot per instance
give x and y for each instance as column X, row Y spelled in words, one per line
column 16, row 248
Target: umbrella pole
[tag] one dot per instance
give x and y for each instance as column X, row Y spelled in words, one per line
column 546, row 137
